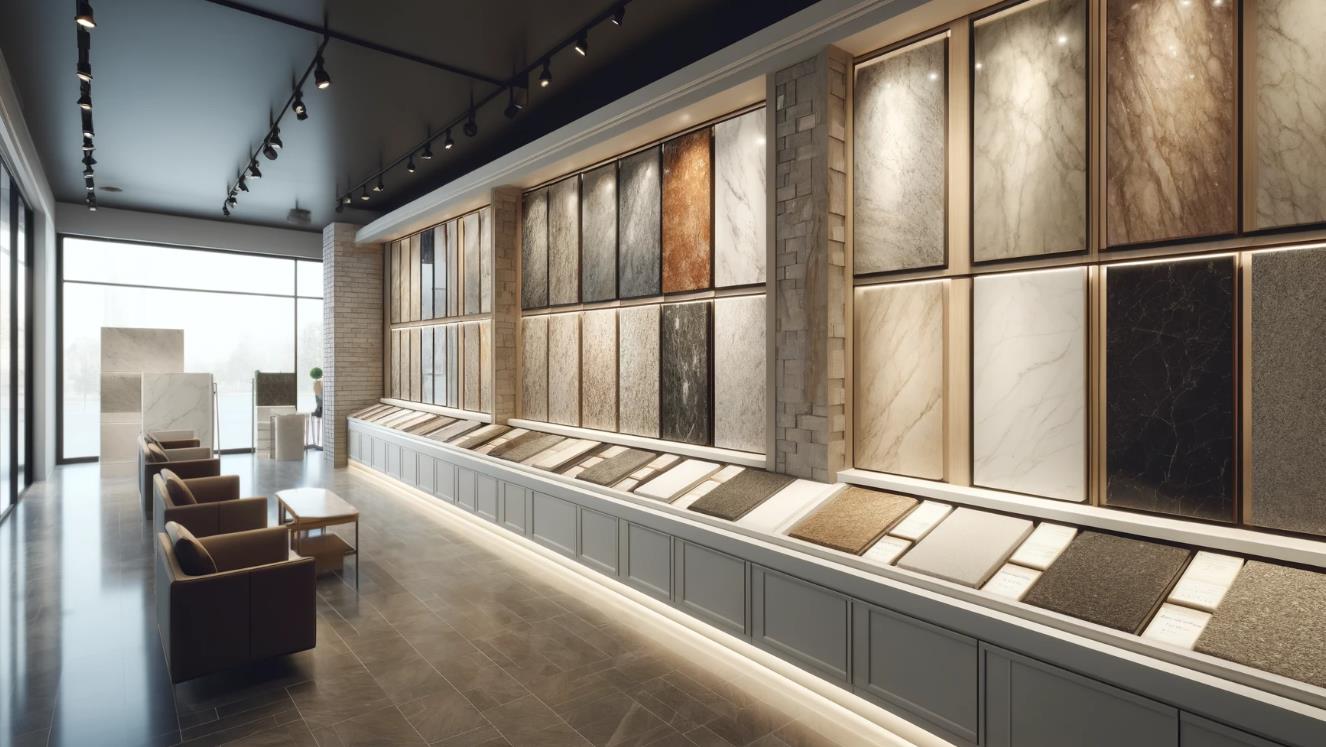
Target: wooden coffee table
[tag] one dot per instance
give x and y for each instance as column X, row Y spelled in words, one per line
column 306, row 510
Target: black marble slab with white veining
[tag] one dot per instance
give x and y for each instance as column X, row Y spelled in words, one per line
column 684, row 376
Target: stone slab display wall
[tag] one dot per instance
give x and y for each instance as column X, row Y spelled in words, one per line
column 126, row 354
column 352, row 351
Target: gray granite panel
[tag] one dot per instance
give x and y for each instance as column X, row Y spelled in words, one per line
column 564, row 369
column 639, row 210
column 273, row 389
column 638, row 370
column 598, row 244
column 426, row 359
column 684, row 403
column 519, row 441
column 611, row 470
column 564, row 242
column 534, row 252
column 735, row 498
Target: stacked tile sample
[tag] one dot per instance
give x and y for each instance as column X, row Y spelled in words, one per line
column 967, row 547
column 736, row 497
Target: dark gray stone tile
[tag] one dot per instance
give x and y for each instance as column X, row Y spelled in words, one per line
column 736, row 497
column 274, row 389
column 684, row 381
column 639, row 204
column 598, row 241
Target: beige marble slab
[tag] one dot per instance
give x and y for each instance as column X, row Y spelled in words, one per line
column 534, row 368
column 564, row 369
column 485, row 260
column 740, row 396
column 473, row 375
column 485, row 366
column 638, row 368
column 899, row 379
column 598, row 338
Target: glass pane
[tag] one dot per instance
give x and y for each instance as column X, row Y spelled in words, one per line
column 21, row 340
column 308, row 277
column 8, row 229
column 172, row 267
column 308, row 350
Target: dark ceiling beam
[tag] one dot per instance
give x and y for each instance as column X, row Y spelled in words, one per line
column 357, row 41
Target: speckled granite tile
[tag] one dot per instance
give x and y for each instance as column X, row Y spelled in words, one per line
column 472, row 375
column 564, row 242
column 479, row 437
column 639, row 205
column 534, row 371
column 684, row 405
column 852, row 520
column 274, row 389
column 637, row 370
column 967, row 547
column 687, row 213
column 534, row 252
column 598, row 378
column 564, row 369
column 598, row 242
column 517, row 440
column 740, row 402
column 740, row 203
column 736, row 497
column 613, row 469
column 1109, row 580
column 470, row 243
column 528, row 448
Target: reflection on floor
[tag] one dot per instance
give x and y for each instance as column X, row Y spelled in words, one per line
column 448, row 642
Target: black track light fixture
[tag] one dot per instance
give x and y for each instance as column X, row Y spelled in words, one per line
column 91, row 203
column 275, row 139
column 345, row 200
column 545, row 77
column 88, row 131
column 619, row 15
column 85, row 72
column 379, row 187
column 471, row 126
column 88, row 160
column 363, row 196
column 225, row 210
column 254, row 171
column 89, row 183
column 409, row 166
column 512, row 108
column 85, row 97
column 320, row 77
column 582, row 44
column 301, row 111
column 84, row 16
column 87, row 145
column 87, row 171
column 269, row 152
column 231, row 201
column 84, row 69
column 427, row 153
column 448, row 144
column 243, row 185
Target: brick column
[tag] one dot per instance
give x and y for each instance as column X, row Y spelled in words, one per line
column 506, row 300
column 352, row 333
column 810, row 244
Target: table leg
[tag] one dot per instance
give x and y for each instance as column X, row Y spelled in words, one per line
column 358, row 557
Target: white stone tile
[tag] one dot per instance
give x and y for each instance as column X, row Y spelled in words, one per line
column 677, row 480
column 179, row 401
column 740, row 401
column 1040, row 550
column 787, row 506
column 740, row 203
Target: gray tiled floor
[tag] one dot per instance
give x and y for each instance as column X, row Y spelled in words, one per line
column 448, row 642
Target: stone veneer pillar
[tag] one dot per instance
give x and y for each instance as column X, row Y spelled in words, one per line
column 352, row 352
column 506, row 300
column 811, row 281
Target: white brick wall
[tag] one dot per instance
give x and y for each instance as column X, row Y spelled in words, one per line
column 352, row 333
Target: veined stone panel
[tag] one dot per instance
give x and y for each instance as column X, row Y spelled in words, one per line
column 426, row 358
column 471, row 373
column 534, row 252
column 564, row 369
column 1029, row 130
column 470, row 242
column 416, row 365
column 599, row 369
column 486, row 366
column 178, row 401
column 900, row 124
column 534, row 367
column 899, row 379
column 687, row 212
column 1290, row 128
column 1029, row 382
column 454, row 279
column 1170, row 120
column 684, row 401
column 740, row 406
column 639, row 202
column 455, row 364
column 638, row 361
column 141, row 350
column 564, row 242
column 598, row 243
column 441, row 374
column 740, row 200
column 427, row 257
column 485, row 260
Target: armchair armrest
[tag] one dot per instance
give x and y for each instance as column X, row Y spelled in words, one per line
column 199, row 452
column 213, row 489
column 241, row 515
column 182, row 443
column 188, row 469
column 255, row 547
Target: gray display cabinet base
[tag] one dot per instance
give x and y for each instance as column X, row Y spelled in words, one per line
column 971, row 675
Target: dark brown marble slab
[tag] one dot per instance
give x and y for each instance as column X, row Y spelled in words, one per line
column 852, row 520
column 687, row 213
column 1109, row 580
column 611, row 470
column 1273, row 618
column 736, row 497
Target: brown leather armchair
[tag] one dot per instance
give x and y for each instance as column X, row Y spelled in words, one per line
column 257, row 603
column 187, row 462
column 217, row 509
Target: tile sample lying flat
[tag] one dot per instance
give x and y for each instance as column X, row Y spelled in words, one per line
column 564, row 242
column 887, row 550
column 1177, row 626
column 1012, row 581
column 526, row 449
column 852, row 520
column 1109, row 580
column 1273, row 619
column 613, row 469
column 967, row 547
column 1206, row 581
column 684, row 373
column 486, row 433
column 1288, row 378
column 899, row 367
column 563, row 453
column 740, row 407
column 677, row 480
column 786, row 507
column 534, row 371
column 1169, row 383
column 1290, row 129
column 469, row 236
column 639, row 202
column 1029, row 131
column 1171, row 124
column 687, row 213
column 1044, row 546
column 501, row 441
column 598, row 242
column 564, row 369
column 598, row 377
column 1029, row 383
column 736, row 497
column 534, row 252
column 740, row 212
column 900, row 123
column 472, row 375
column 637, row 370
column 455, row 430
column 516, row 440
column 920, row 521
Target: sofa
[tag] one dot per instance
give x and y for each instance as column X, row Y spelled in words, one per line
column 204, row 505
column 186, row 461
column 231, row 599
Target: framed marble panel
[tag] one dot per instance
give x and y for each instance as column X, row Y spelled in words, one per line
column 898, row 423
column 1029, row 130
column 638, row 370
column 639, row 212
column 687, row 212
column 1029, row 382
column 471, row 373
column 1287, row 313
column 564, row 369
column 394, row 354
column 454, row 365
column 416, row 364
column 411, row 291
column 441, row 373
column 486, row 366
column 684, row 373
column 598, row 243
column 534, row 252
column 439, row 271
column 564, row 242
column 141, row 350
column 1286, row 62
column 899, row 159
column 598, row 334
column 470, row 242
column 534, row 367
column 429, row 377
column 1171, row 121
column 455, row 279
column 1169, row 387
column 740, row 199
column 485, row 260
column 740, row 395
column 394, row 279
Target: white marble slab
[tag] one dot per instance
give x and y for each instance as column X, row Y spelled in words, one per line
column 473, row 373
column 677, row 480
column 119, row 442
column 121, row 392
column 141, row 350
column 695, row 494
column 786, row 507
column 564, row 369
column 1177, row 626
column 1206, row 581
column 921, row 520
column 899, row 379
column 1012, row 582
column 485, row 260
column 1045, row 544
column 1029, row 383
column 175, row 401
column 740, row 395
column 740, row 203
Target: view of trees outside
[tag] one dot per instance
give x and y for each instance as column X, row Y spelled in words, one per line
column 240, row 313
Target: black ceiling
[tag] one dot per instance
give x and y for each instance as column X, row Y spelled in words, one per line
column 183, row 88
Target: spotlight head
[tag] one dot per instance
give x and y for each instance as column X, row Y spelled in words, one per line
column 512, row 109
column 471, row 127
column 345, row 200
column 409, row 166
column 89, row 184
column 363, row 196
column 84, row 15
column 619, row 15
column 243, row 186
column 427, row 153
column 231, row 201
column 85, row 72
column 379, row 187
column 88, row 132
column 91, row 203
column 320, row 77
column 275, row 139
column 254, row 171
column 87, row 144
column 225, row 210
column 88, row 160
column 269, row 152
column 340, row 208
column 297, row 106
column 582, row 44
column 87, row 171
column 545, row 77
column 448, row 144
column 85, row 99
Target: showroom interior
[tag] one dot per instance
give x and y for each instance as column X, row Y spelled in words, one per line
column 663, row 372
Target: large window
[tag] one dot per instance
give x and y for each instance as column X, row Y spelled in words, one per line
column 15, row 341
column 240, row 313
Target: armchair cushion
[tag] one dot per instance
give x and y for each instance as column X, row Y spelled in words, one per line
column 191, row 554
column 178, row 489
column 156, row 454
column 249, row 549
column 213, row 489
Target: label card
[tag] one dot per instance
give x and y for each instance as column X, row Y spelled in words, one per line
column 921, row 520
column 1011, row 582
column 1177, row 626
column 886, row 550
column 1204, row 584
column 1041, row 549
